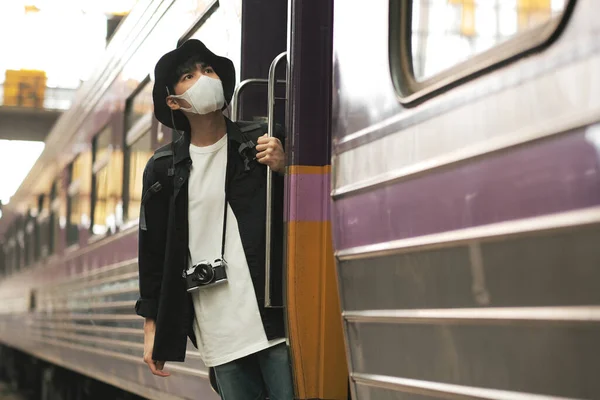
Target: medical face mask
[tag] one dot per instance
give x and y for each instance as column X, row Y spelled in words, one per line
column 205, row 96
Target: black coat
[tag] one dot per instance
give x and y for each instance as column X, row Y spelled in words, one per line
column 163, row 241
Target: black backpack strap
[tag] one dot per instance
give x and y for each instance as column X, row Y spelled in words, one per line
column 163, row 166
column 161, row 171
column 249, row 128
column 161, row 154
column 250, row 132
column 155, row 188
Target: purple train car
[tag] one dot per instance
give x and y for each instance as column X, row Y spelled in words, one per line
column 441, row 216
column 466, row 197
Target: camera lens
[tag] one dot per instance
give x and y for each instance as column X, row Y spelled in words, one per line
column 205, row 274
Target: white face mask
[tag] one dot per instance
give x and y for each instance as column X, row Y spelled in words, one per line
column 205, row 96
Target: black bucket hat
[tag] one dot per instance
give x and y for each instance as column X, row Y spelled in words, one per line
column 164, row 68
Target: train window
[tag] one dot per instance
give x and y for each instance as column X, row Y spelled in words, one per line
column 108, row 164
column 78, row 200
column 449, row 40
column 140, row 104
column 31, row 240
column 19, row 244
column 11, row 255
column 16, row 247
column 52, row 226
column 42, row 231
column 40, row 221
column 27, row 245
column 139, row 152
column 9, row 250
column 139, row 146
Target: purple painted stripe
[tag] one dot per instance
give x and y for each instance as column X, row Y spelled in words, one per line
column 309, row 197
column 553, row 175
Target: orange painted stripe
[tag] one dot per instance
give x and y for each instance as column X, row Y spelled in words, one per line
column 313, row 311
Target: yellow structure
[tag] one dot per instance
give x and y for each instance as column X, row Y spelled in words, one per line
column 531, row 13
column 25, row 88
column 467, row 19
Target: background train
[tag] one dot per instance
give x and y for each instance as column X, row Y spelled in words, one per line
column 442, row 209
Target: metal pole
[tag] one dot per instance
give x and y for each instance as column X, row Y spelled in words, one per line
column 268, row 216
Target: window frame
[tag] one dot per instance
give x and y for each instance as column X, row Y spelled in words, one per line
column 411, row 92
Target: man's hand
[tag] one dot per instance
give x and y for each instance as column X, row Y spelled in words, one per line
column 270, row 152
column 155, row 366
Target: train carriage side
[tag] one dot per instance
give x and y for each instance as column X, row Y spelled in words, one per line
column 466, row 197
column 74, row 307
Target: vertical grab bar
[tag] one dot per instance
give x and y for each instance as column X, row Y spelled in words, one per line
column 268, row 215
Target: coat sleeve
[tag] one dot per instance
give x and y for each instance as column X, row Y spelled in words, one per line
column 151, row 245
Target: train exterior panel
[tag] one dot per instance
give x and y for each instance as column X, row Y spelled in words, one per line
column 466, row 208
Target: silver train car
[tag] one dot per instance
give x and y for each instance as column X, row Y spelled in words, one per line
column 442, row 201
column 466, row 198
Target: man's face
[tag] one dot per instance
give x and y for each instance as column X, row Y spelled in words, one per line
column 186, row 81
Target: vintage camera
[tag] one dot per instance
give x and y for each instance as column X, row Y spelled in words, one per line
column 205, row 274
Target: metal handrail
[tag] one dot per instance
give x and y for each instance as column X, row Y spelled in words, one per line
column 270, row 132
column 235, row 99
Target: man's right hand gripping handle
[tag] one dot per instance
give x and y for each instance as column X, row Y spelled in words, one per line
column 155, row 366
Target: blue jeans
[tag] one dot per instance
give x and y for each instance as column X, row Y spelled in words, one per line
column 257, row 375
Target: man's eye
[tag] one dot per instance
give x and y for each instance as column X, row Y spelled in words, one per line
column 208, row 71
column 188, row 76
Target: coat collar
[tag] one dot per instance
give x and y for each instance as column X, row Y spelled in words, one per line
column 181, row 147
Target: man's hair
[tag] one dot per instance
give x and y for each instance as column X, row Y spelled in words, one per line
column 185, row 67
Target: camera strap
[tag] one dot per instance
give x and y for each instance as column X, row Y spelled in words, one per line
column 222, row 238
column 172, row 173
column 224, row 227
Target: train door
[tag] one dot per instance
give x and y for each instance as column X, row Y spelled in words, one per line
column 290, row 87
column 466, row 197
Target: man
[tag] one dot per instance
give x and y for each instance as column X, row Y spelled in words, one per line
column 204, row 199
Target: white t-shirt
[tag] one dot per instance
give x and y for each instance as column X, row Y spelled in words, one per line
column 227, row 324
